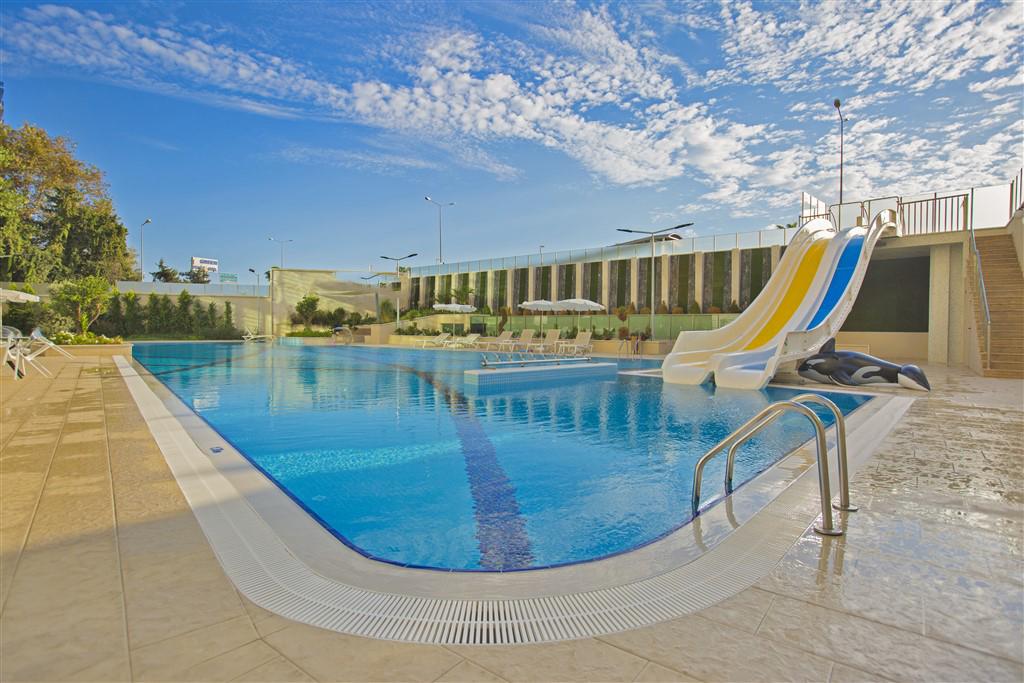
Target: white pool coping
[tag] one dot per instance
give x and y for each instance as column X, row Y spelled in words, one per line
column 279, row 557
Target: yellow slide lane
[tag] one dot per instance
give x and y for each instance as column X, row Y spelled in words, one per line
column 794, row 295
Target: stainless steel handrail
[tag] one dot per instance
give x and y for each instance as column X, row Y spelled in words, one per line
column 982, row 292
column 765, row 417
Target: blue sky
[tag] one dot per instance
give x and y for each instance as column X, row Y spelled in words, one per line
column 547, row 123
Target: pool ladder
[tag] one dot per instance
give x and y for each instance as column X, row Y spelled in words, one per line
column 765, row 418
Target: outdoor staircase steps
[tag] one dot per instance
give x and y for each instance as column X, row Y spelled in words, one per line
column 1004, row 288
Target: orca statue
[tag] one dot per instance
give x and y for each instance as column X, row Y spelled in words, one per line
column 854, row 369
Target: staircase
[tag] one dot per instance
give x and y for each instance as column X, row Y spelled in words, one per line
column 1004, row 285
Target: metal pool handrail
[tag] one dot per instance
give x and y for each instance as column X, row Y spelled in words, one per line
column 763, row 419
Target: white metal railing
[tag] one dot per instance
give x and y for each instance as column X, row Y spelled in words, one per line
column 764, row 418
column 979, row 283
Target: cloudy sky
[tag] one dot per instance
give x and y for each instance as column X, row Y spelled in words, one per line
column 547, row 123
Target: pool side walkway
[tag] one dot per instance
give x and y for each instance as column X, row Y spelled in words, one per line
column 106, row 575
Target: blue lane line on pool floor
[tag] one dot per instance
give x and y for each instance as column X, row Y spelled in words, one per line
column 500, row 528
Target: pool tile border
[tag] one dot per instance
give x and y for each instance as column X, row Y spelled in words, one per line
column 265, row 569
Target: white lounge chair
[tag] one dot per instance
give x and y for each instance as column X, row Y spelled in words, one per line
column 250, row 336
column 439, row 340
column 577, row 347
column 37, row 337
column 549, row 344
column 467, row 342
column 19, row 353
column 498, row 341
column 522, row 342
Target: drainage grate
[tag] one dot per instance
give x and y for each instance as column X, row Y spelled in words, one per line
column 266, row 572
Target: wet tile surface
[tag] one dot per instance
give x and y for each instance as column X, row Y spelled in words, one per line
column 107, row 576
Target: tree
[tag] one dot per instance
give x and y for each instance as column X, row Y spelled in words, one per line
column 84, row 238
column 134, row 320
column 462, row 293
column 306, row 308
column 787, row 226
column 184, row 321
column 198, row 276
column 82, row 300
column 229, row 316
column 164, row 273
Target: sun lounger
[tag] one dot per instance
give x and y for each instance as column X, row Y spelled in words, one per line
column 37, row 337
column 549, row 343
column 439, row 340
column 522, row 343
column 499, row 341
column 251, row 336
column 577, row 347
column 469, row 341
column 18, row 354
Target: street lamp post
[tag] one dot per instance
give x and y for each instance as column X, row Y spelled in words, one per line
column 837, row 104
column 142, row 250
column 440, row 210
column 282, row 243
column 541, row 266
column 398, row 269
column 255, row 293
column 652, row 234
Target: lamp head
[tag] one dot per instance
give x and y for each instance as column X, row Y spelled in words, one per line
column 836, row 103
column 252, row 270
column 147, row 221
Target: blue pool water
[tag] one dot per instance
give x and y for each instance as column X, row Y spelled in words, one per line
column 394, row 456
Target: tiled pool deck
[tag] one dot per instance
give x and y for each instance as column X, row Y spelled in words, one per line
column 107, row 576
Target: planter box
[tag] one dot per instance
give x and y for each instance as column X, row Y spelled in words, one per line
column 94, row 350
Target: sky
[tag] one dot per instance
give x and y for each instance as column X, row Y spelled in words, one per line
column 547, row 123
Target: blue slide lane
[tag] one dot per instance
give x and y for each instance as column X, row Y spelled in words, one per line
column 840, row 280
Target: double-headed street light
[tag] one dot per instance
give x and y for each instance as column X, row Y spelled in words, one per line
column 652, row 234
column 282, row 242
column 398, row 268
column 440, row 211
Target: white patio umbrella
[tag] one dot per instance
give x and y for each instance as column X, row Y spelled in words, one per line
column 542, row 306
column 580, row 306
column 454, row 308
column 15, row 297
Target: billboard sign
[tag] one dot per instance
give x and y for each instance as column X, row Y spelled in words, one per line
column 210, row 265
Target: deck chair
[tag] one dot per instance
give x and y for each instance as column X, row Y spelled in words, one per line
column 439, row 340
column 250, row 336
column 467, row 342
column 579, row 346
column 20, row 354
column 499, row 341
column 522, row 342
column 37, row 337
column 549, row 343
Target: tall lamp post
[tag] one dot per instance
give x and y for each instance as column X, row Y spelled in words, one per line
column 142, row 250
column 282, row 243
column 837, row 104
column 255, row 293
column 440, row 210
column 652, row 234
column 398, row 269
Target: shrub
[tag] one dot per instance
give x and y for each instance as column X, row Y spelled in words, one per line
column 678, row 309
column 646, row 310
column 733, row 307
column 306, row 308
column 70, row 338
column 485, row 310
column 693, row 307
column 621, row 313
column 630, row 309
column 713, row 309
column 623, row 332
column 662, row 308
column 310, row 333
column 83, row 300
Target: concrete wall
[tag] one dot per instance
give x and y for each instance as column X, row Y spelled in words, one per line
column 1016, row 229
column 887, row 345
column 289, row 285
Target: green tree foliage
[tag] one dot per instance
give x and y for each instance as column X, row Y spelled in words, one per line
column 82, row 300
column 164, row 273
column 198, row 276
column 229, row 315
column 461, row 294
column 184, row 319
column 56, row 217
column 306, row 307
column 134, row 318
column 387, row 311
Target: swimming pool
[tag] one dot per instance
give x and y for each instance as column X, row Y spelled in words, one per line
column 388, row 450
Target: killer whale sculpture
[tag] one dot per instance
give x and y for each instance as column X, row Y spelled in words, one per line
column 855, row 369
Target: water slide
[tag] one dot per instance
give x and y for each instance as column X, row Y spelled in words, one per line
column 803, row 305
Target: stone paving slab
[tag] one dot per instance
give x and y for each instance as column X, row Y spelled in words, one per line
column 106, row 575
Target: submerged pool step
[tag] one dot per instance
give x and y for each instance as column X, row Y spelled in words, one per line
column 514, row 376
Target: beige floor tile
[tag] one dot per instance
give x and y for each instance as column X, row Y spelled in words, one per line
column 336, row 657
column 278, row 670
column 232, row 664
column 170, row 659
column 847, row 674
column 744, row 610
column 656, row 673
column 468, row 672
column 576, row 660
column 715, row 652
column 880, row 649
